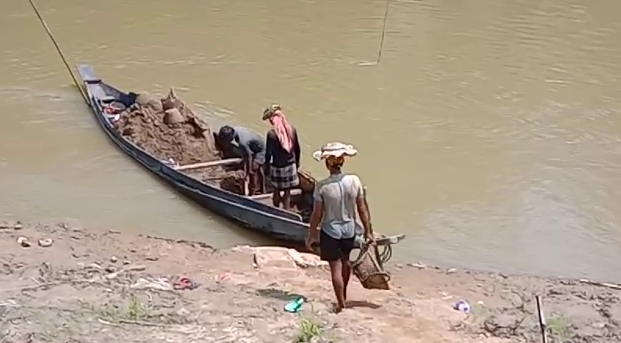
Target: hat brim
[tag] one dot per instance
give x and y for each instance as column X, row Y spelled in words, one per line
column 320, row 155
column 269, row 112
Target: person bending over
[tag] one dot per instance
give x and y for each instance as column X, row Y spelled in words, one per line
column 249, row 145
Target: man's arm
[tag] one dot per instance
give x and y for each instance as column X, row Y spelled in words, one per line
column 246, row 149
column 246, row 155
column 216, row 142
column 363, row 209
column 296, row 148
column 366, row 203
column 269, row 148
column 317, row 213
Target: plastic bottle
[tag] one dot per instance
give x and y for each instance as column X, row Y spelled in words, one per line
column 295, row 306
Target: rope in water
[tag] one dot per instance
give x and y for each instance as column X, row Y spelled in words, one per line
column 62, row 56
column 381, row 47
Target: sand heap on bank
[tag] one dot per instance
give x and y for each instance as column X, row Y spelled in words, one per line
column 167, row 129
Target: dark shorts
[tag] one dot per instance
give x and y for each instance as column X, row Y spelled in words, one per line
column 332, row 249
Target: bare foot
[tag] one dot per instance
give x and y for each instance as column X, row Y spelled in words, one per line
column 336, row 308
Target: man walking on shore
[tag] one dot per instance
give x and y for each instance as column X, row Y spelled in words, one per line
column 336, row 200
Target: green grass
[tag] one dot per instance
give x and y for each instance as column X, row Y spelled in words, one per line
column 558, row 326
column 311, row 331
column 135, row 309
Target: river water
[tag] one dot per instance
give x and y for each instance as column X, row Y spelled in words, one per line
column 488, row 132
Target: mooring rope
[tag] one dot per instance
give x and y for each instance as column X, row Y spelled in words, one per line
column 60, row 52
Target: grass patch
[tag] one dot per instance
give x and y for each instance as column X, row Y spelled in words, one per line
column 309, row 331
column 478, row 314
column 558, row 326
column 134, row 310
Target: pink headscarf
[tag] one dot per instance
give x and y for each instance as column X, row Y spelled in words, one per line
column 283, row 130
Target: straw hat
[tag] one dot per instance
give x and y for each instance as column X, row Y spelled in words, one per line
column 336, row 149
column 269, row 111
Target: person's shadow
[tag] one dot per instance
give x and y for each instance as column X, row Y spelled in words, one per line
column 359, row 303
column 278, row 294
column 283, row 295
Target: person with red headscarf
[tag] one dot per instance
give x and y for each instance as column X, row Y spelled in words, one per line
column 282, row 156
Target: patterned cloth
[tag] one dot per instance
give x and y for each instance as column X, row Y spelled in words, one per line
column 284, row 177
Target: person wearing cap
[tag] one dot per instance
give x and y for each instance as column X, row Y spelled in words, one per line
column 282, row 156
column 241, row 142
column 333, row 223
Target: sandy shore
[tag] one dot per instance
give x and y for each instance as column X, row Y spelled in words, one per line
column 86, row 285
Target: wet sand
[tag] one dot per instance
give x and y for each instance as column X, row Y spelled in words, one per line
column 108, row 286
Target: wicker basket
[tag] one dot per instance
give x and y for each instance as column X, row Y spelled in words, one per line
column 368, row 269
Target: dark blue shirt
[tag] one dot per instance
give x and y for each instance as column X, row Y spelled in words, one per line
column 250, row 144
column 276, row 155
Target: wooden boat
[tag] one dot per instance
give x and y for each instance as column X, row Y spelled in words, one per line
column 253, row 212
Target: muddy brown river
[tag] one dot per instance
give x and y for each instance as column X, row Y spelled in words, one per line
column 489, row 132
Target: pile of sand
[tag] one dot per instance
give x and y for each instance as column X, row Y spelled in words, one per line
column 167, row 129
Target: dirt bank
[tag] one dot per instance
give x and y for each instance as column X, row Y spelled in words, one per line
column 84, row 285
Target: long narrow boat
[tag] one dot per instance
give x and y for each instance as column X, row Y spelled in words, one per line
column 253, row 212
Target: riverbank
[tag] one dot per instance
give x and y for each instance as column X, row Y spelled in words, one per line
column 66, row 283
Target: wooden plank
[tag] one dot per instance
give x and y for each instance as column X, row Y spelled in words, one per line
column 269, row 195
column 87, row 73
column 210, row 164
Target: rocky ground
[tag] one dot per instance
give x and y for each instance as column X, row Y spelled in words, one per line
column 61, row 283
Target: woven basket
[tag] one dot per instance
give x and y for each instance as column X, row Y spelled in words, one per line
column 368, row 269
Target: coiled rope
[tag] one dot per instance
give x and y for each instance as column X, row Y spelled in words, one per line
column 386, row 253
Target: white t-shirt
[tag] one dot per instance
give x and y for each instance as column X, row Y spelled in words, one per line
column 338, row 193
